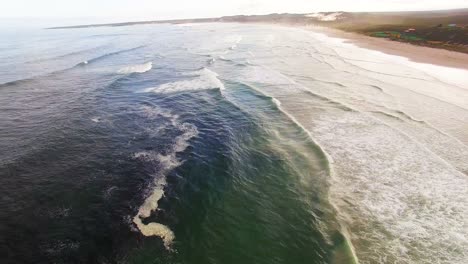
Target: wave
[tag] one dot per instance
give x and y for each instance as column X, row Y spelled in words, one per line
column 139, row 68
column 106, row 55
column 164, row 164
column 211, row 61
column 447, row 148
column 391, row 187
column 237, row 40
column 206, row 79
column 18, row 82
column 222, row 58
column 348, row 247
column 396, row 190
column 257, row 74
column 388, row 175
column 81, row 64
column 70, row 54
column 246, row 63
column 335, row 83
column 395, row 114
column 34, row 78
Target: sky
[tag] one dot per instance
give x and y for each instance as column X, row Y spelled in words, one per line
column 126, row 10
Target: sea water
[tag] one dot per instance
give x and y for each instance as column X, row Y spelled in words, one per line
column 227, row 143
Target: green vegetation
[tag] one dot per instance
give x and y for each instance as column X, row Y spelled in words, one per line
column 395, row 35
column 438, row 29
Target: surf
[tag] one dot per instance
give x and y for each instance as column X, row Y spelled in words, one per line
column 203, row 79
column 138, row 68
column 351, row 138
column 335, row 231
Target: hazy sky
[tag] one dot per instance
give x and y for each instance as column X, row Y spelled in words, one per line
column 164, row 9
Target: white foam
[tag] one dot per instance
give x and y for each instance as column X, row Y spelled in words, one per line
column 402, row 202
column 152, row 112
column 205, row 79
column 165, row 163
column 151, row 204
column 96, row 119
column 398, row 182
column 156, row 229
column 407, row 202
column 277, row 102
column 139, row 68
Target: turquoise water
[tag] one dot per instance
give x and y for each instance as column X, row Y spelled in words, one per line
column 224, row 143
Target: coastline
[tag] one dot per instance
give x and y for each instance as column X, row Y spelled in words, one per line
column 420, row 54
column 440, row 55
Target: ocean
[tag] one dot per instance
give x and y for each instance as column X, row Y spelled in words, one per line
column 227, row 143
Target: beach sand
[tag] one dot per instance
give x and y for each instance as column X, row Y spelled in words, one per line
column 414, row 53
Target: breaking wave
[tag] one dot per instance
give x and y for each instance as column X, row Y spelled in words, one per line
column 404, row 213
column 342, row 228
column 139, row 68
column 205, row 79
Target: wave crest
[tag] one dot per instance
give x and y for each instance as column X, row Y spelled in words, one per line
column 139, row 68
column 207, row 79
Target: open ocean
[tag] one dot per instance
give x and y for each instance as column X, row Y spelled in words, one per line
column 227, row 143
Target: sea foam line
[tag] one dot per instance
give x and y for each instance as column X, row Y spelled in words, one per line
column 166, row 163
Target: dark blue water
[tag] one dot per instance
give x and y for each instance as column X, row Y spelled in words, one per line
column 126, row 146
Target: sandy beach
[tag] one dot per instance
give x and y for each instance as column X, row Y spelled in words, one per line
column 412, row 52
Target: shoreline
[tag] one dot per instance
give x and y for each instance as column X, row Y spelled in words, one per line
column 419, row 54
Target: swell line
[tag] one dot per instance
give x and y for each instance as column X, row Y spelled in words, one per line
column 110, row 54
column 329, row 165
column 446, row 162
column 81, row 64
column 73, row 53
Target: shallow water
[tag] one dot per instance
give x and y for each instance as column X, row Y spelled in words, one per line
column 226, row 143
